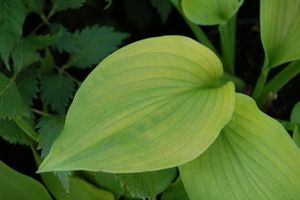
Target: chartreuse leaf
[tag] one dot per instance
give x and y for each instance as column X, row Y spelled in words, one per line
column 176, row 191
column 11, row 102
column 57, row 90
column 11, row 132
column 151, row 105
column 146, row 184
column 295, row 118
column 12, row 16
column 280, row 30
column 16, row 186
column 94, row 44
column 212, row 12
column 253, row 158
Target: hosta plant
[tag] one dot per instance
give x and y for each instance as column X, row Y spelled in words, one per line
column 161, row 118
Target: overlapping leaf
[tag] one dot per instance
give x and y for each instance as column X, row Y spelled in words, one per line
column 280, row 30
column 212, row 12
column 16, row 186
column 154, row 104
column 295, row 118
column 176, row 191
column 253, row 158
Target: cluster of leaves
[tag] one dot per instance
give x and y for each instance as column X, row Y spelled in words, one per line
column 155, row 118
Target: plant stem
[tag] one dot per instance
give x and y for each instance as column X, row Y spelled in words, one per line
column 63, row 71
column 198, row 32
column 280, row 80
column 40, row 112
column 227, row 36
column 261, row 80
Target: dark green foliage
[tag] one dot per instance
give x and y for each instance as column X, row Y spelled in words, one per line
column 164, row 8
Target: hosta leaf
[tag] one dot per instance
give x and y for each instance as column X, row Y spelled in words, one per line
column 16, row 186
column 11, row 102
column 295, row 118
column 109, row 182
column 151, row 105
column 95, row 43
column 59, row 5
column 164, row 8
column 212, row 12
column 57, row 90
column 10, row 132
column 280, row 30
column 49, row 129
column 12, row 16
column 176, row 191
column 27, row 84
column 253, row 158
column 146, row 184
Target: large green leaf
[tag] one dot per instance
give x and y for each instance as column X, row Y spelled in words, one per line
column 11, row 102
column 212, row 12
column 154, row 104
column 109, row 182
column 253, row 158
column 280, row 30
column 12, row 16
column 176, row 191
column 146, row 184
column 16, row 186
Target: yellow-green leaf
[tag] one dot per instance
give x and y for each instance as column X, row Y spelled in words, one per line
column 151, row 105
column 16, row 186
column 280, row 30
column 253, row 158
column 295, row 118
column 212, row 12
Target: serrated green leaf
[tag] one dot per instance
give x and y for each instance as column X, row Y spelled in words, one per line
column 11, row 102
column 23, row 55
column 67, row 42
column 124, row 114
column 12, row 16
column 27, row 126
column 16, row 186
column 59, row 5
column 295, row 118
column 27, row 84
column 43, row 41
column 10, row 132
column 109, row 182
column 164, row 8
column 280, row 30
column 49, row 128
column 176, row 191
column 146, row 184
column 253, row 158
column 212, row 12
column 95, row 43
column 57, row 91
column 47, row 63
column 36, row 6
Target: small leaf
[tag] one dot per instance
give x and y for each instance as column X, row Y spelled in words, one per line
column 109, row 182
column 43, row 41
column 59, row 5
column 253, row 158
column 47, row 63
column 124, row 114
column 12, row 16
column 164, row 8
column 95, row 43
column 10, row 132
column 57, row 91
column 212, row 12
column 146, row 184
column 64, row 177
column 176, row 191
column 280, row 30
column 16, row 186
column 27, row 126
column 295, row 118
column 24, row 54
column 49, row 128
column 27, row 84
column 36, row 6
column 11, row 102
